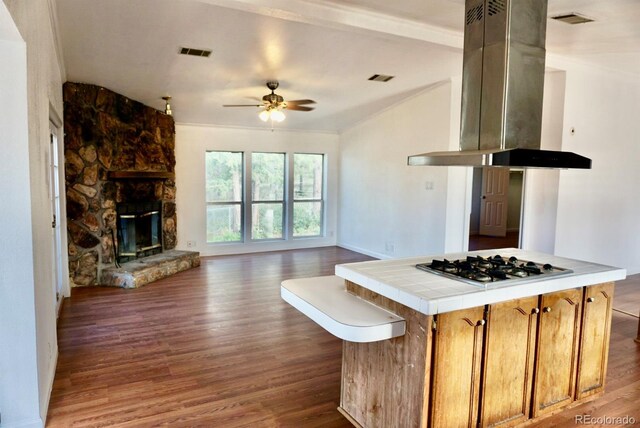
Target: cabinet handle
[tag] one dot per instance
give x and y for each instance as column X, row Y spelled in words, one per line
column 535, row 311
column 591, row 299
column 481, row 322
column 547, row 309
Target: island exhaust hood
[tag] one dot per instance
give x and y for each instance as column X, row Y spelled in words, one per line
column 502, row 87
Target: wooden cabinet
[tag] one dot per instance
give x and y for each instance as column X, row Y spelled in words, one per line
column 594, row 339
column 490, row 366
column 557, row 354
column 457, row 356
column 509, row 351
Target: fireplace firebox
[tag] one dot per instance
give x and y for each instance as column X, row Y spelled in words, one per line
column 139, row 230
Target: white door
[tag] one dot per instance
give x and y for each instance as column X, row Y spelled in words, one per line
column 54, row 194
column 494, row 203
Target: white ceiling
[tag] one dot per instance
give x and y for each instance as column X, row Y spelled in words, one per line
column 323, row 50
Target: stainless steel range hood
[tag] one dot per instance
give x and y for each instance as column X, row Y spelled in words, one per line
column 502, row 87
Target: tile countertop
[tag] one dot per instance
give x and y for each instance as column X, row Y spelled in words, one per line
column 430, row 294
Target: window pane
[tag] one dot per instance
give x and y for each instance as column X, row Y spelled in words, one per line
column 224, row 176
column 266, row 221
column 267, row 176
column 224, row 223
column 307, row 218
column 307, row 182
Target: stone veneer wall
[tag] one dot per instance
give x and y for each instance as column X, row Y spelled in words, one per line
column 107, row 132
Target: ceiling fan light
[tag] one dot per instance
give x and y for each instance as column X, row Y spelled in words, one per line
column 264, row 115
column 277, row 115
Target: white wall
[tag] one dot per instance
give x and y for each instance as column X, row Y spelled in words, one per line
column 598, row 209
column 540, row 205
column 18, row 359
column 192, row 142
column 386, row 208
column 459, row 181
column 32, row 276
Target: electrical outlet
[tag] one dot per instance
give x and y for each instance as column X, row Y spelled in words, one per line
column 191, row 244
column 389, row 248
column 428, row 185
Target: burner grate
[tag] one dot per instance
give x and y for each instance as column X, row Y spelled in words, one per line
column 483, row 271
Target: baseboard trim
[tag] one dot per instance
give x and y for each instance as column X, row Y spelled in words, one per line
column 210, row 250
column 52, row 375
column 364, row 251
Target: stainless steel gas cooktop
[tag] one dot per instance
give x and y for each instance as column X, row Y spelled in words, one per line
column 482, row 271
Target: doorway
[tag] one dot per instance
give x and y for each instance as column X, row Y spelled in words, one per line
column 54, row 196
column 496, row 208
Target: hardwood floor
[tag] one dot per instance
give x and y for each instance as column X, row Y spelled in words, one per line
column 215, row 346
column 480, row 242
column 212, row 346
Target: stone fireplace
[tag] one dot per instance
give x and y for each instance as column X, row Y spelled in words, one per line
column 119, row 155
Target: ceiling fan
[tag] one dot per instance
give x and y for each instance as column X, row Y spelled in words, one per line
column 273, row 104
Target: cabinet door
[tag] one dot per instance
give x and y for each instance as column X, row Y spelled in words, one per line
column 508, row 362
column 457, row 355
column 558, row 334
column 594, row 344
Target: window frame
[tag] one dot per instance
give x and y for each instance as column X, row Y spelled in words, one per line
column 288, row 198
column 242, row 204
column 322, row 199
column 249, row 195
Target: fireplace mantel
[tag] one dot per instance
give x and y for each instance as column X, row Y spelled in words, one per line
column 141, row 175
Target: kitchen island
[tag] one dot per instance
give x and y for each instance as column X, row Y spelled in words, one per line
column 470, row 355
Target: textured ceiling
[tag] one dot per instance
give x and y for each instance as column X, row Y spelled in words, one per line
column 321, row 50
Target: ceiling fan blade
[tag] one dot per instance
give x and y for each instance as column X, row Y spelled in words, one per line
column 243, row 105
column 298, row 108
column 298, row 102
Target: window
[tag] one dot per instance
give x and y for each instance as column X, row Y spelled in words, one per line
column 267, row 195
column 284, row 194
column 308, row 205
column 224, row 196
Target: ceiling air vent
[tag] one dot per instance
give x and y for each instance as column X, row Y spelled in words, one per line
column 381, row 78
column 572, row 18
column 496, row 6
column 475, row 14
column 195, row 52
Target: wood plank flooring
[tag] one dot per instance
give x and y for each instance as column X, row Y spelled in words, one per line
column 481, row 242
column 215, row 346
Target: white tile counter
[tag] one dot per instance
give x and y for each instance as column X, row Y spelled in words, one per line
column 325, row 300
column 430, row 294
